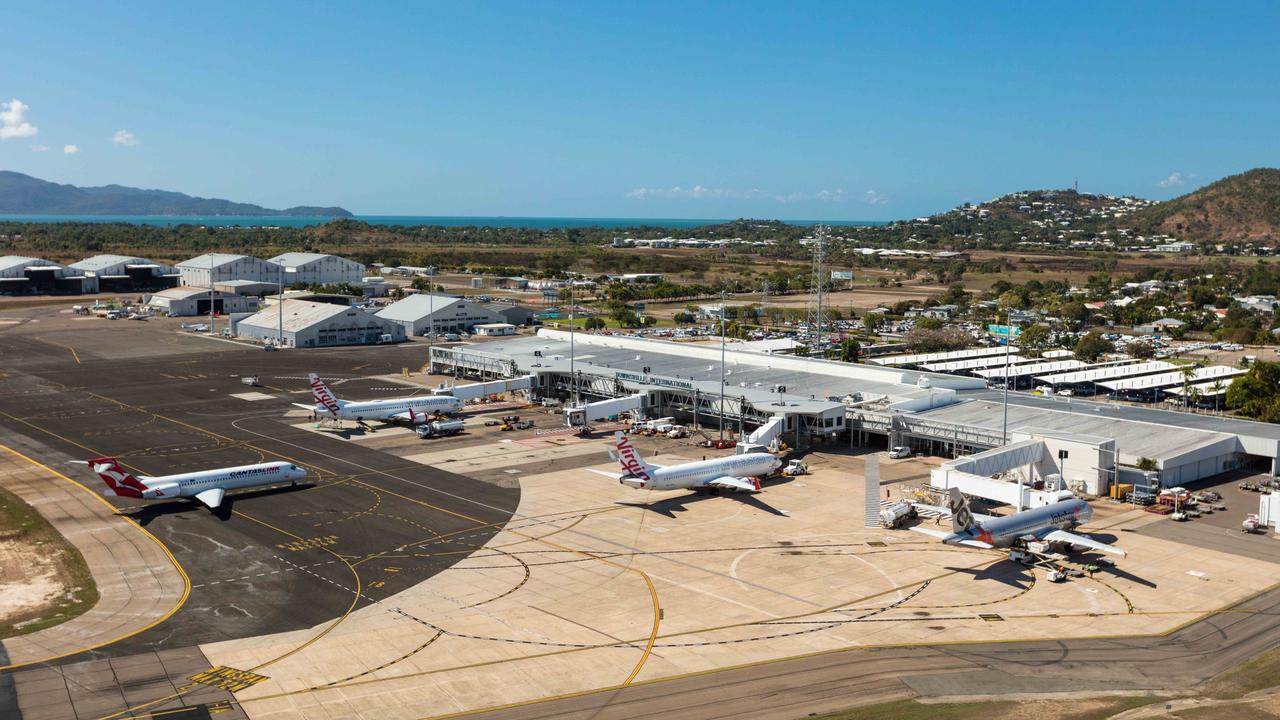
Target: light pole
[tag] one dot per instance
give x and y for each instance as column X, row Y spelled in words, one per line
column 280, row 304
column 722, row 365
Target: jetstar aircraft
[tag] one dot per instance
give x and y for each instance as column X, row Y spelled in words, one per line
column 413, row 410
column 738, row 473
column 207, row 486
column 1050, row 523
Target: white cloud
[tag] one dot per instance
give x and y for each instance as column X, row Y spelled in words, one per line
column 124, row 137
column 1174, row 180
column 874, row 198
column 70, row 149
column 702, row 192
column 39, row 148
column 13, row 120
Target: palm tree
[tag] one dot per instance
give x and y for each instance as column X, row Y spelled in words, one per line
column 1188, row 374
column 1193, row 398
column 1218, row 387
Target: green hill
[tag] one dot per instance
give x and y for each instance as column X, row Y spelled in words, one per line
column 1239, row 207
column 24, row 195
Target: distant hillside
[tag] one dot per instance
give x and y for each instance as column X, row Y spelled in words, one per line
column 24, row 195
column 1239, row 207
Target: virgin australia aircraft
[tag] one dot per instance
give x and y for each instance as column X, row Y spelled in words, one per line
column 1050, row 523
column 737, row 473
column 415, row 410
column 207, row 486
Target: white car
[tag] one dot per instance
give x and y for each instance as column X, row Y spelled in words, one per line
column 898, row 452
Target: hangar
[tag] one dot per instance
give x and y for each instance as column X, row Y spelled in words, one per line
column 190, row 301
column 19, row 274
column 125, row 273
column 204, row 270
column 302, row 324
column 318, row 269
column 428, row 313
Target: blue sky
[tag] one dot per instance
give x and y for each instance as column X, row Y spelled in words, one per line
column 789, row 110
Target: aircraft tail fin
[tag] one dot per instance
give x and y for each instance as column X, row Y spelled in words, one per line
column 961, row 519
column 121, row 482
column 322, row 395
column 629, row 457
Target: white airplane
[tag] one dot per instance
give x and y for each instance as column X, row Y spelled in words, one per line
column 415, row 410
column 1050, row 524
column 738, row 473
column 207, row 486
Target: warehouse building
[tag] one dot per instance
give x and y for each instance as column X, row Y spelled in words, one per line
column 204, row 270
column 124, row 273
column 303, row 324
column 188, row 301
column 515, row 314
column 433, row 313
column 318, row 269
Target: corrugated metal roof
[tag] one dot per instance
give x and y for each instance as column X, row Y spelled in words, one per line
column 211, row 260
column 1171, row 378
column 294, row 259
column 1033, row 369
column 1133, row 439
column 8, row 262
column 974, row 363
column 417, row 306
column 99, row 262
column 917, row 358
column 1110, row 372
column 181, row 292
column 298, row 315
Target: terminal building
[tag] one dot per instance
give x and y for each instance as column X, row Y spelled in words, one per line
column 808, row 402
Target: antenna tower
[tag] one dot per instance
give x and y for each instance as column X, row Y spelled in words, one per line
column 817, row 310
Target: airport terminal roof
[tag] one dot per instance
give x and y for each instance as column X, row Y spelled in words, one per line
column 1110, row 372
column 745, row 371
column 1170, row 378
column 1134, row 439
column 917, row 358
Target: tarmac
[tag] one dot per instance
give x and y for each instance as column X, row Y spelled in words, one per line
column 499, row 573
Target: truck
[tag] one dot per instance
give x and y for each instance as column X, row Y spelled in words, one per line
column 795, row 467
column 896, row 514
column 440, row 428
column 1252, row 523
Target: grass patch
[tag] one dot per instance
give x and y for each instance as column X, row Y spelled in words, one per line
column 1260, row 673
column 1094, row 709
column 20, row 523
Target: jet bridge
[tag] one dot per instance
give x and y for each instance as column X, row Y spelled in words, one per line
column 472, row 391
column 583, row 414
column 768, row 433
column 1055, row 461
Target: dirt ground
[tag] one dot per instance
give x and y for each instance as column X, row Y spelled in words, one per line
column 43, row 580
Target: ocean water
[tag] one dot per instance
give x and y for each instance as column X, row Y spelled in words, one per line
column 537, row 223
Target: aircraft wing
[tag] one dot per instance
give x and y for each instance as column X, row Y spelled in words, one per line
column 409, row 416
column 211, row 497
column 940, row 534
column 1063, row 536
column 728, row 482
column 946, row 512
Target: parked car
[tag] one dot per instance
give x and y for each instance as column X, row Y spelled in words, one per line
column 898, row 452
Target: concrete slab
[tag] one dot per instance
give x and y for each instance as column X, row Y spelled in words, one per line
column 593, row 585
